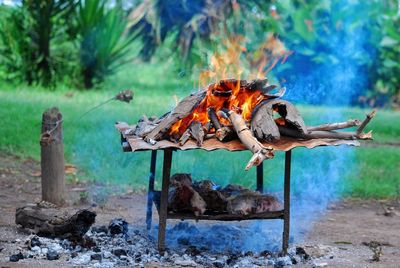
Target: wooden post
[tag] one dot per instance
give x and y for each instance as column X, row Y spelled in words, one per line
column 260, row 177
column 150, row 192
column 52, row 157
column 162, row 226
column 286, row 204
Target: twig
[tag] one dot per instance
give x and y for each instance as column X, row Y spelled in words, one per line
column 334, row 126
column 365, row 122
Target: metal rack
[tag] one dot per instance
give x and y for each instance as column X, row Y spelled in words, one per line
column 163, row 206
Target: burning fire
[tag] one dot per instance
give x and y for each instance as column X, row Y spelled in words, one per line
column 228, row 93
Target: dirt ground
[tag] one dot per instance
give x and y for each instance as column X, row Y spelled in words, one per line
column 342, row 232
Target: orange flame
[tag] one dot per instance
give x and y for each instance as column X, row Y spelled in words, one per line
column 228, row 93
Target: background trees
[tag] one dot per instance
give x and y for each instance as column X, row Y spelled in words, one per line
column 79, row 43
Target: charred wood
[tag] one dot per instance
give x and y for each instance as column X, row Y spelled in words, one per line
column 214, row 199
column 335, row 126
column 260, row 153
column 197, row 132
column 252, row 203
column 365, row 122
column 183, row 109
column 263, row 124
column 182, row 196
column 185, row 137
column 212, row 115
column 53, row 222
column 294, row 133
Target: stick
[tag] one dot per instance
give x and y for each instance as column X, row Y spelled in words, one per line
column 334, row 126
column 286, row 131
column 185, row 137
column 213, row 118
column 365, row 122
column 260, row 153
column 221, row 132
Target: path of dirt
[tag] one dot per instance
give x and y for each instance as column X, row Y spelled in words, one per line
column 340, row 233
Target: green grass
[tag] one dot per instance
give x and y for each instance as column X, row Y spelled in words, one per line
column 92, row 143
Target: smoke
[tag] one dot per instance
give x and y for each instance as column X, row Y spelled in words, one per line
column 318, row 175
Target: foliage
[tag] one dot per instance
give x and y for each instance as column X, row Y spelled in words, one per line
column 153, row 21
column 387, row 83
column 103, row 43
column 15, row 46
column 28, row 35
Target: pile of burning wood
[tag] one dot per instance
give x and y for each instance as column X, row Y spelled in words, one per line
column 239, row 109
column 186, row 196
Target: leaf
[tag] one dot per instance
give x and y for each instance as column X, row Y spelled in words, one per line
column 388, row 42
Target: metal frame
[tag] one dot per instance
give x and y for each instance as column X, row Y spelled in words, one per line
column 163, row 210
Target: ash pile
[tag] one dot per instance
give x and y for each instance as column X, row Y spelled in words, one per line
column 120, row 244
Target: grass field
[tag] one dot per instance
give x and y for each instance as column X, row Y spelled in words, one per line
column 92, row 143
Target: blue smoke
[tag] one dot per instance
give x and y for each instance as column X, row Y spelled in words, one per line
column 318, row 175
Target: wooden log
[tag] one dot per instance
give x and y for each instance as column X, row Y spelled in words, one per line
column 52, row 157
column 260, row 153
column 212, row 115
column 263, row 86
column 365, row 122
column 184, row 108
column 263, row 124
column 214, row 199
column 182, row 196
column 197, row 132
column 53, row 222
column 222, row 133
column 144, row 126
column 290, row 132
column 185, row 137
column 289, row 112
column 335, row 126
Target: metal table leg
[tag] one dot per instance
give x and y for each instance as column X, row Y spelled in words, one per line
column 260, row 177
column 150, row 192
column 164, row 199
column 286, row 213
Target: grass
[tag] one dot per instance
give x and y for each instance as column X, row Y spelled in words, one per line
column 92, row 143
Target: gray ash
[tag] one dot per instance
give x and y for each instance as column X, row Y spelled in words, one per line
column 134, row 247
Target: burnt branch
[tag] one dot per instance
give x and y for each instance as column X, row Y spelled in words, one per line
column 197, row 132
column 366, row 121
column 320, row 134
column 334, row 126
column 260, row 153
column 212, row 115
column 183, row 109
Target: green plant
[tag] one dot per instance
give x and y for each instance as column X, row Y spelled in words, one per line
column 156, row 22
column 104, row 45
column 28, row 34
column 387, row 84
column 15, row 46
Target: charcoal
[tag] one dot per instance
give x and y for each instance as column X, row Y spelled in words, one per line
column 96, row 257
column 302, row 253
column 100, row 229
column 34, row 242
column 118, row 226
column 16, row 257
column 218, row 264
column 52, row 255
column 119, row 252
